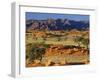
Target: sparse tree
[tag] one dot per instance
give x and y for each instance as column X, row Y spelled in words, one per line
column 59, row 39
column 36, row 53
column 78, row 40
column 86, row 42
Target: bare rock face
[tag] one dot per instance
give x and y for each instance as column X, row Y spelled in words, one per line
column 62, row 56
column 36, row 61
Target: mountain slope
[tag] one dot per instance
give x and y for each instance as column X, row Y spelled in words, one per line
column 56, row 24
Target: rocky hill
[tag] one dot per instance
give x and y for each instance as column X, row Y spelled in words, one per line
column 56, row 24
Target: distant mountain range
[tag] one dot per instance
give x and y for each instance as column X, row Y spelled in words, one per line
column 56, row 24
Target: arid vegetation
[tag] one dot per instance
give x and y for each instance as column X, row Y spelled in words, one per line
column 53, row 48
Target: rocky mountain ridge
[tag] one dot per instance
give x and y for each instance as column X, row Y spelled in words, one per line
column 56, row 24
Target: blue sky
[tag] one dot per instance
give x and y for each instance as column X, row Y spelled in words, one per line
column 42, row 16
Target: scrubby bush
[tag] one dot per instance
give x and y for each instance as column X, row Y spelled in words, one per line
column 36, row 53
